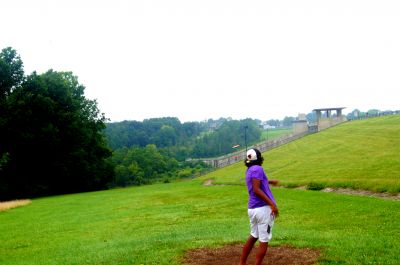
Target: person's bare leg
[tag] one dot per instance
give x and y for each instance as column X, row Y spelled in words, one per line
column 262, row 249
column 247, row 249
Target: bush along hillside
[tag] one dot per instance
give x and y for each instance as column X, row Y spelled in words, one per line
column 137, row 166
column 361, row 154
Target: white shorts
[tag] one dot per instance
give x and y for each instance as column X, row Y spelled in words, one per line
column 261, row 222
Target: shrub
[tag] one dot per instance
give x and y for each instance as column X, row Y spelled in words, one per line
column 315, row 186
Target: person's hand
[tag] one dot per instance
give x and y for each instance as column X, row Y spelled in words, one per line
column 273, row 182
column 275, row 211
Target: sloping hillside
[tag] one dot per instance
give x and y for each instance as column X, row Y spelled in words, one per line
column 361, row 154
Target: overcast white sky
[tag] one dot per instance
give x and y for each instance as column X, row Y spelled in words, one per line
column 214, row 58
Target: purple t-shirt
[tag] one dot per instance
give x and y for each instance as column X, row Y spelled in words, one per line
column 257, row 172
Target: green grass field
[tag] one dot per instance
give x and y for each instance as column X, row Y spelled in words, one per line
column 156, row 224
column 274, row 133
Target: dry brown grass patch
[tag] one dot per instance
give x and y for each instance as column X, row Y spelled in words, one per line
column 4, row 206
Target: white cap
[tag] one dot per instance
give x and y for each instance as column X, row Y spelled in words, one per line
column 251, row 155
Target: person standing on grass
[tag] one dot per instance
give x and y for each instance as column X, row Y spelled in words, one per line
column 262, row 207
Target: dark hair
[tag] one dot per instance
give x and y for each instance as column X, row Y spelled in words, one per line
column 259, row 161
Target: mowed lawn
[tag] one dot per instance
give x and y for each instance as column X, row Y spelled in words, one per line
column 156, row 224
column 362, row 154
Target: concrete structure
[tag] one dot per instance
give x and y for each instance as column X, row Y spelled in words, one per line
column 329, row 119
column 300, row 125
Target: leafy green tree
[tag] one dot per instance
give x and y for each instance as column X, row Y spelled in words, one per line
column 287, row 121
column 165, row 136
column 137, row 165
column 11, row 71
column 11, row 77
column 121, row 176
column 52, row 137
column 273, row 122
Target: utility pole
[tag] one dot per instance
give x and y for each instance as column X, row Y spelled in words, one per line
column 245, row 136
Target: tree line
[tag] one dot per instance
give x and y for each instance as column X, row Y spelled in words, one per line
column 159, row 148
column 184, row 140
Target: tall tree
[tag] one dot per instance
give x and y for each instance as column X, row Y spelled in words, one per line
column 11, row 71
column 287, row 121
column 52, row 141
column 11, row 77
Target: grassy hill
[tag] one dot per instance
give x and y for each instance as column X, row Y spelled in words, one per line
column 156, row 224
column 360, row 154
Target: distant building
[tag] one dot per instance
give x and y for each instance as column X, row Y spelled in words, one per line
column 267, row 126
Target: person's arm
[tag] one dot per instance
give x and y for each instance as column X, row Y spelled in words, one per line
column 258, row 191
column 273, row 182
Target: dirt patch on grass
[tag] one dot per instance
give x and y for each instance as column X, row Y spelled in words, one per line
column 4, row 206
column 382, row 195
column 230, row 255
column 208, row 182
